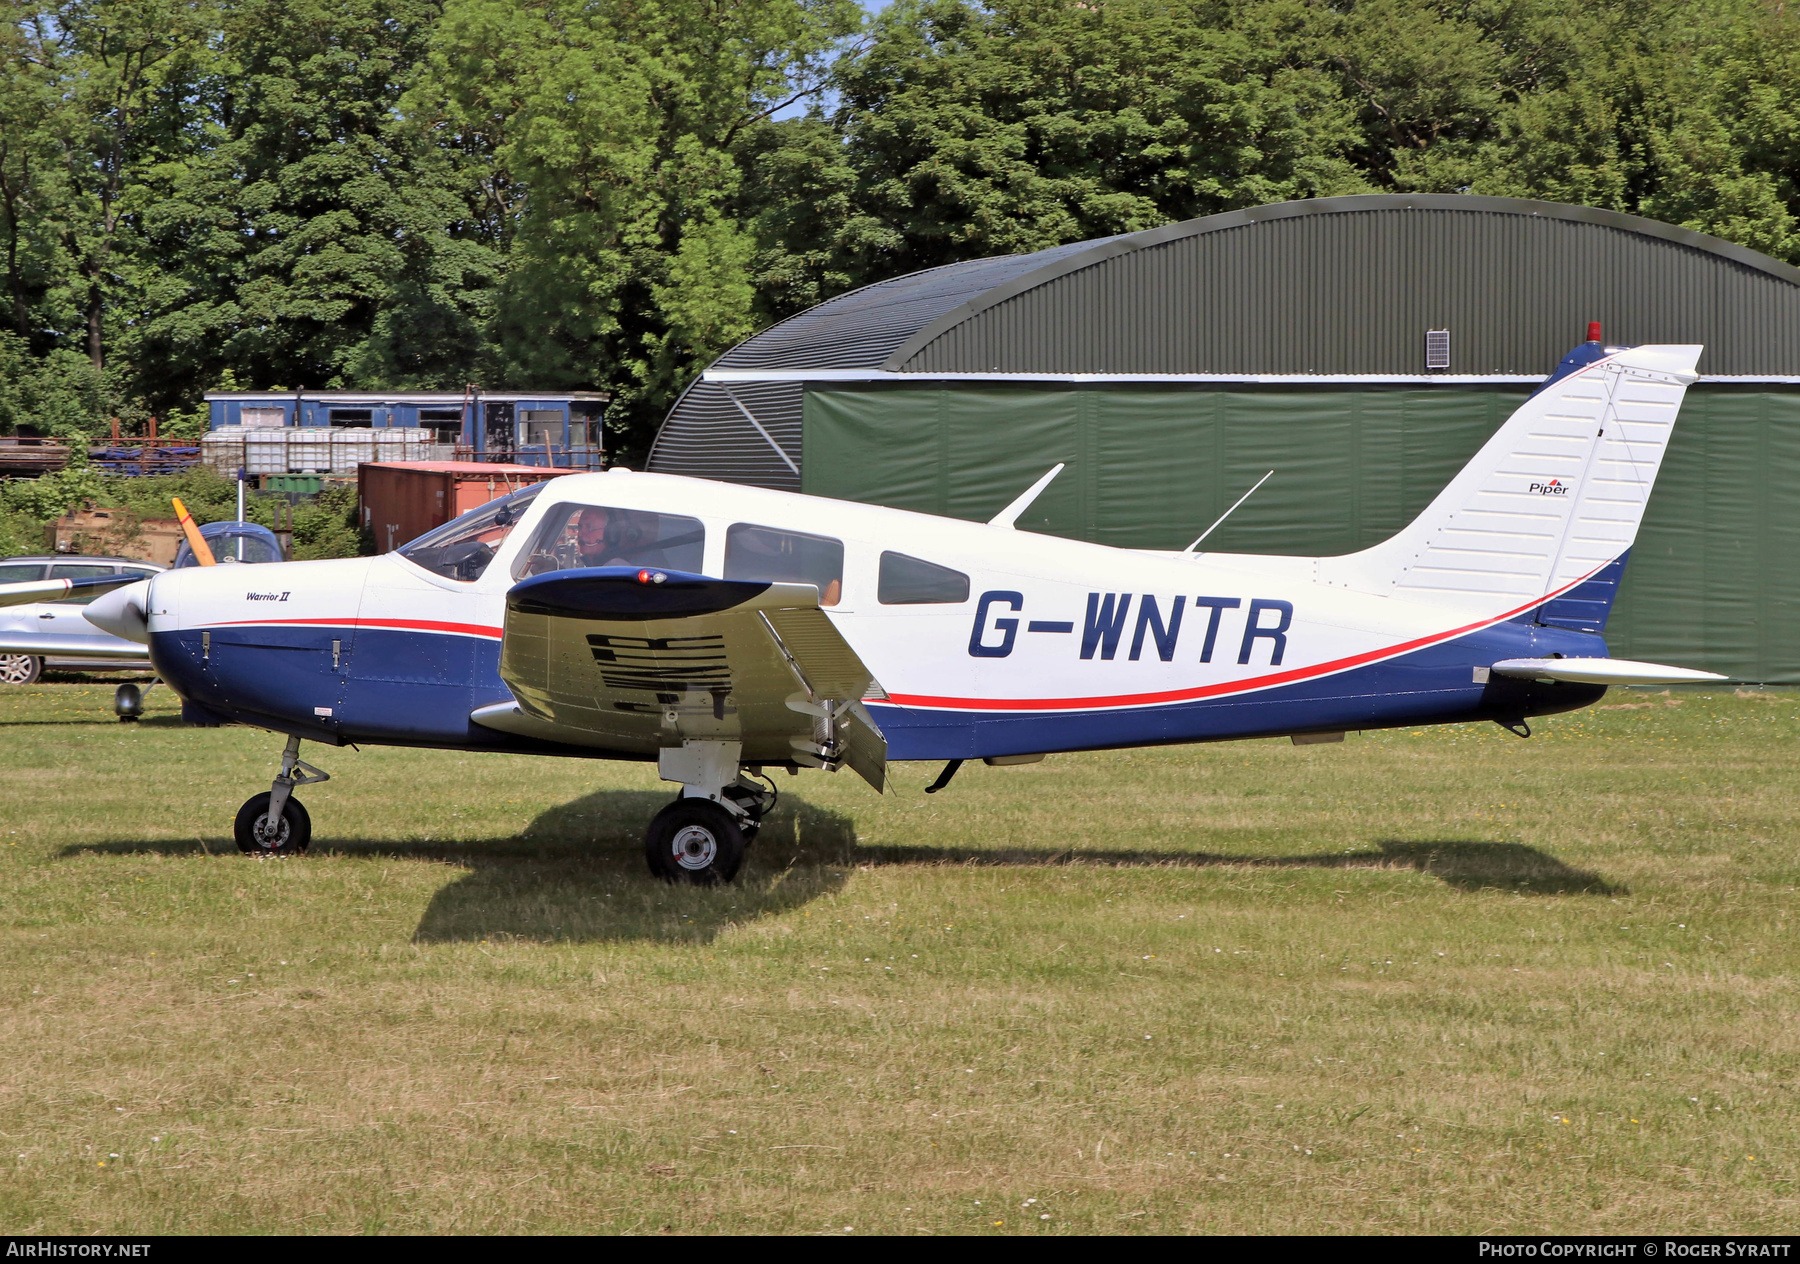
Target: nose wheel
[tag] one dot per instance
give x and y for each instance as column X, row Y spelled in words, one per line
column 275, row 823
column 259, row 833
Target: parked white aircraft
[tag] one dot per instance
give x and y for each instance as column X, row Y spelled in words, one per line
column 724, row 630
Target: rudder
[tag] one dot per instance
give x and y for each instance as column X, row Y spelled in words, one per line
column 1550, row 505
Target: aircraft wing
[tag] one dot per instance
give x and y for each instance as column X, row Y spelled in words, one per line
column 641, row 660
column 71, row 647
column 27, row 591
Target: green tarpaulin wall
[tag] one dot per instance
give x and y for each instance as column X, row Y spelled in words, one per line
column 1709, row 584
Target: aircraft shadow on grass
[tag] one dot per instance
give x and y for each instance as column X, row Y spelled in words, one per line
column 100, row 718
column 1468, row 865
column 576, row 873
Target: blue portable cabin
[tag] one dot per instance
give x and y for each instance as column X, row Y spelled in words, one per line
column 543, row 428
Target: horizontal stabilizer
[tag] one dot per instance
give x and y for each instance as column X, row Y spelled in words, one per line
column 1601, row 671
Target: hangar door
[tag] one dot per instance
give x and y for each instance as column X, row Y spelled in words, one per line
column 1710, row 583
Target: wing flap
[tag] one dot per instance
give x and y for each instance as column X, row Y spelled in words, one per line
column 830, row 666
column 864, row 747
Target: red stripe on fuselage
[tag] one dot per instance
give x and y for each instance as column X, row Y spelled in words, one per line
column 413, row 625
column 1229, row 686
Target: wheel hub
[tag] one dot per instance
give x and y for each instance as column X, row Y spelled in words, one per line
column 271, row 835
column 14, row 668
column 694, row 847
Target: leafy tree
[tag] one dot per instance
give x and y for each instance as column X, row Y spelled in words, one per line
column 61, row 393
column 122, row 73
column 28, row 161
column 798, row 202
column 421, row 193
column 1028, row 123
column 320, row 240
column 619, row 133
column 1676, row 110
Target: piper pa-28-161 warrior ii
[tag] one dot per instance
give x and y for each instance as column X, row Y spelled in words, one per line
column 723, row 630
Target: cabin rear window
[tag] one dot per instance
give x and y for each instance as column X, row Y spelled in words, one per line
column 597, row 535
column 790, row 557
column 912, row 581
column 463, row 547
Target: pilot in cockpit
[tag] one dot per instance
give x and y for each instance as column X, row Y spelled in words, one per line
column 592, row 539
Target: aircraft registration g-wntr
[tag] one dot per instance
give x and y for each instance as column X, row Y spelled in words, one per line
column 723, row 630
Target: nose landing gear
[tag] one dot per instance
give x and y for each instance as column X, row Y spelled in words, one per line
column 275, row 823
column 128, row 701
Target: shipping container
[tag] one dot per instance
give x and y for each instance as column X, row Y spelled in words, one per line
column 402, row 501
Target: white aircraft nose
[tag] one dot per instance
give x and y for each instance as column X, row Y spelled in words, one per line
column 121, row 612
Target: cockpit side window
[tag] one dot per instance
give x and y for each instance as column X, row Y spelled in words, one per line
column 598, row 535
column 912, row 581
column 753, row 552
column 463, row 547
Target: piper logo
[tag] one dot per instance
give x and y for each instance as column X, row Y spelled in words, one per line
column 1555, row 487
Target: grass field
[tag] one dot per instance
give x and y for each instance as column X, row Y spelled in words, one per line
column 1432, row 981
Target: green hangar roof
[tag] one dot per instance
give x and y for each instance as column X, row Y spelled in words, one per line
column 1333, row 289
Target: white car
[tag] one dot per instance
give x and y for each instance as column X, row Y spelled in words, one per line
column 53, row 633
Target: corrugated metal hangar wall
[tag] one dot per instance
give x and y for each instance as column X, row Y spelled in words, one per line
column 1171, row 368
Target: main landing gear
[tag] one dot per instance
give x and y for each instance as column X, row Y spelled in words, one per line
column 274, row 823
column 702, row 836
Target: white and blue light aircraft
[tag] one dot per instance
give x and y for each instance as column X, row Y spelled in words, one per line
column 724, row 630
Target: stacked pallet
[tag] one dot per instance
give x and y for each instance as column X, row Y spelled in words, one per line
column 24, row 457
column 145, row 458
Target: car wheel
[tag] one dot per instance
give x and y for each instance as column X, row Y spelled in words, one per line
column 20, row 669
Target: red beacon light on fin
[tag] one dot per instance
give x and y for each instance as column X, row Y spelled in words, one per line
column 1593, row 331
column 650, row 577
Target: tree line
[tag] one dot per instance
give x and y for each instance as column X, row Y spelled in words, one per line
column 330, row 194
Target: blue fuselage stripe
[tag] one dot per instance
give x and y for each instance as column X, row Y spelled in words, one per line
column 415, row 688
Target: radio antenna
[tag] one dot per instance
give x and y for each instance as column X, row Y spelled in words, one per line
column 1009, row 515
column 1240, row 500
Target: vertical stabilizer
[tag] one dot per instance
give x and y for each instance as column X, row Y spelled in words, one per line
column 1554, row 497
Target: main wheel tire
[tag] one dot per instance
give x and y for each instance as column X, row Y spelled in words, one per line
column 694, row 840
column 289, row 836
column 20, row 669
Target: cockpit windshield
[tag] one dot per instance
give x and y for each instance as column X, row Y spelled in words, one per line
column 463, row 547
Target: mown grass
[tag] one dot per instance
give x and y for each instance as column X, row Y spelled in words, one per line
column 1444, row 981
